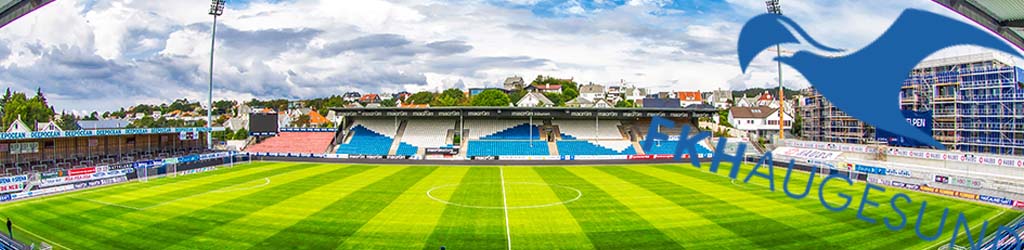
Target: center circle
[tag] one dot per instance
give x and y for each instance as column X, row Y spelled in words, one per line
column 554, row 187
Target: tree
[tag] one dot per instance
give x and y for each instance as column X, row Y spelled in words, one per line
column 798, row 124
column 723, row 118
column 241, row 134
column 570, row 93
column 624, row 104
column 556, row 98
column 491, row 97
column 517, row 95
column 388, row 103
column 67, row 122
column 301, row 121
column 450, row 97
column 30, row 111
column 422, row 97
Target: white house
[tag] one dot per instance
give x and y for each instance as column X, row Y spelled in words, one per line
column 534, row 99
column 635, row 94
column 592, row 92
column 687, row 98
column 720, row 98
column 763, row 121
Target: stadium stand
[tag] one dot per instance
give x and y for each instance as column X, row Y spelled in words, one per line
column 363, row 141
column 427, row 133
column 294, row 142
column 504, row 137
column 499, row 147
column 587, row 130
column 501, row 130
column 576, row 147
column 669, row 147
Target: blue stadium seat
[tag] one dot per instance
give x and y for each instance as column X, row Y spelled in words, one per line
column 491, row 148
column 519, row 132
column 587, row 148
column 406, row 149
column 367, row 142
column 669, row 147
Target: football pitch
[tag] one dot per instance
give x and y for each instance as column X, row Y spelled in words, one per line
column 291, row 205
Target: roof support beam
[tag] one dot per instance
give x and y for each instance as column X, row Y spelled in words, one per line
column 973, row 12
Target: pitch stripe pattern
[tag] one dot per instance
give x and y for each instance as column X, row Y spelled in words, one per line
column 326, row 206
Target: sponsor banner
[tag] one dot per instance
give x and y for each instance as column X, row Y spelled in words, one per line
column 42, row 191
column 7, row 188
column 869, row 169
column 907, row 185
column 485, row 158
column 988, row 160
column 998, row 200
column 531, row 157
column 13, row 179
column 600, row 157
column 82, row 171
column 442, row 151
column 1017, row 204
column 100, row 132
column 196, row 170
column 81, row 178
column 397, row 157
column 309, row 130
column 5, row 197
column 805, row 153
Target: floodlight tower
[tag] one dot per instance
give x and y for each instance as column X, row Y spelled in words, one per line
column 216, row 9
column 775, row 8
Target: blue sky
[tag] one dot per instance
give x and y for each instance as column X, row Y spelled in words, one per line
column 104, row 54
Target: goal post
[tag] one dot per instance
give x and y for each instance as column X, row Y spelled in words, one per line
column 142, row 174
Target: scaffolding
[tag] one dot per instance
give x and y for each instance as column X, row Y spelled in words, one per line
column 976, row 102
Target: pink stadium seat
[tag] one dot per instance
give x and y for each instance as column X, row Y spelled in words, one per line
column 294, row 142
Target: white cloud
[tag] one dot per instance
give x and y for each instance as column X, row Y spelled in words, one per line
column 118, row 52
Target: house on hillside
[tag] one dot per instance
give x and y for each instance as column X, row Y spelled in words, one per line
column 592, row 92
column 514, row 83
column 719, row 98
column 369, row 98
column 351, row 96
column 48, row 127
column 103, row 124
column 687, row 98
column 763, row 120
column 534, row 99
column 546, row 88
column 580, row 102
column 18, row 126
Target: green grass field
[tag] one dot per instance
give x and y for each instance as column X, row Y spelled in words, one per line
column 287, row 205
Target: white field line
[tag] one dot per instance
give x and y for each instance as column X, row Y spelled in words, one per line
column 504, row 200
column 41, row 237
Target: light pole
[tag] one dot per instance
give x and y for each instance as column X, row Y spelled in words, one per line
column 775, row 8
column 216, row 9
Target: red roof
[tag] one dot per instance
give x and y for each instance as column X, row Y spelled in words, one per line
column 548, row 87
column 690, row 96
column 766, row 97
column 316, row 118
column 369, row 98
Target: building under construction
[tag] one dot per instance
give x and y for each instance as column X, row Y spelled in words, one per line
column 822, row 121
column 976, row 100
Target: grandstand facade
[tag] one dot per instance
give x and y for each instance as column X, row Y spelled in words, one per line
column 488, row 132
column 976, row 101
column 37, row 152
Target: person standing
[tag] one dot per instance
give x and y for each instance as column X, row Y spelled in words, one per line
column 10, row 229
